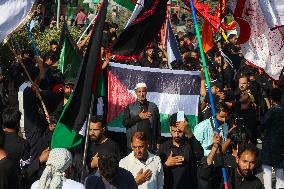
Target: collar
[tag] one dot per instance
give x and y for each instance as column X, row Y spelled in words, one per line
column 182, row 142
column 150, row 158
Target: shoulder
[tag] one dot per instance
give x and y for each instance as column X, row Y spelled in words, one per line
column 125, row 174
column 34, row 185
column 166, row 145
column 125, row 161
column 72, row 184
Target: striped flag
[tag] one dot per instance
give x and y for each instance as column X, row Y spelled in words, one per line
column 12, row 14
column 172, row 45
column 170, row 90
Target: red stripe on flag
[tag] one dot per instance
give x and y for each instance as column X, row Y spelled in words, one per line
column 118, row 97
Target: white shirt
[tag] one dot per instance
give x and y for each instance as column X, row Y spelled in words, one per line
column 67, row 184
column 153, row 163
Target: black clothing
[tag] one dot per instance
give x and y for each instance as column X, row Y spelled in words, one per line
column 185, row 175
column 273, row 143
column 108, row 147
column 210, row 176
column 248, row 121
column 123, row 180
column 151, row 127
column 8, row 174
column 146, row 63
column 17, row 148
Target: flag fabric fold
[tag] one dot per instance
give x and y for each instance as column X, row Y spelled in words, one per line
column 66, row 133
column 12, row 14
column 129, row 4
column 142, row 29
column 171, row 90
column 69, row 61
column 207, row 36
column 261, row 45
column 172, row 45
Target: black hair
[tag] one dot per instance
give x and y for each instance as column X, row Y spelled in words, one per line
column 221, row 107
column 55, row 76
column 173, row 119
column 2, row 138
column 113, row 25
column 97, row 119
column 11, row 117
column 108, row 165
column 276, row 94
column 248, row 147
column 53, row 42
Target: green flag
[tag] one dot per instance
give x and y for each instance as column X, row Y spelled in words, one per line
column 69, row 61
column 73, row 117
column 129, row 4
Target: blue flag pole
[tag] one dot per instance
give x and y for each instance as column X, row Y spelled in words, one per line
column 32, row 40
column 224, row 172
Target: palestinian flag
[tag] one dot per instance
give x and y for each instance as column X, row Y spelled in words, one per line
column 172, row 45
column 171, row 90
column 129, row 4
column 145, row 23
column 77, row 108
column 70, row 59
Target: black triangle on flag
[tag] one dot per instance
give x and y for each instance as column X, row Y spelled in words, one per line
column 142, row 29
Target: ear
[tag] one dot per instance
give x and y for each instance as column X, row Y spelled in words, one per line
column 237, row 159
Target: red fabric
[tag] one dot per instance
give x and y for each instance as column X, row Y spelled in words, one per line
column 207, row 36
column 245, row 30
column 58, row 88
column 118, row 57
column 118, row 97
column 147, row 13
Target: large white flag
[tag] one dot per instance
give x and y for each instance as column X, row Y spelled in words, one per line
column 12, row 14
column 273, row 11
column 260, row 33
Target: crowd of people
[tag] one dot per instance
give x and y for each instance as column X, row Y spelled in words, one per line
column 249, row 113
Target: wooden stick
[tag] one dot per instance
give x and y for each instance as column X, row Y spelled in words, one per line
column 30, row 79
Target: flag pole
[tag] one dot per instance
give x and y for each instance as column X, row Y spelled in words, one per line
column 207, row 82
column 87, row 138
column 30, row 79
column 58, row 14
column 86, row 30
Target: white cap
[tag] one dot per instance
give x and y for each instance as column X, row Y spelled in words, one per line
column 140, row 85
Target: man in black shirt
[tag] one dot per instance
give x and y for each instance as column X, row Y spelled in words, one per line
column 179, row 156
column 150, row 59
column 241, row 177
column 16, row 147
column 99, row 144
column 8, row 169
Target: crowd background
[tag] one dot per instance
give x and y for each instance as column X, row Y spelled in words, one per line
column 251, row 103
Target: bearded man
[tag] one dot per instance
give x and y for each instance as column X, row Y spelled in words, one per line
column 143, row 116
column 99, row 144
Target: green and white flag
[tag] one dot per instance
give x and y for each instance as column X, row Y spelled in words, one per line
column 170, row 90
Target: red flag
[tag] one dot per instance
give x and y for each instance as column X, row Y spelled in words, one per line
column 207, row 36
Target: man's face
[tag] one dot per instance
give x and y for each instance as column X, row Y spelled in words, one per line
column 139, row 148
column 96, row 131
column 221, row 116
column 243, row 83
column 176, row 133
column 194, row 55
column 246, row 163
column 214, row 89
column 218, row 59
column 150, row 53
column 68, row 89
column 233, row 40
column 141, row 93
column 53, row 48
